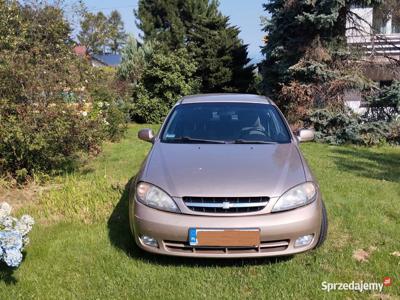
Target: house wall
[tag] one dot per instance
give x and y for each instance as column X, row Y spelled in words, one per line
column 379, row 50
column 363, row 24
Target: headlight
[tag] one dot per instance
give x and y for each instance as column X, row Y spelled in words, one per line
column 152, row 196
column 297, row 196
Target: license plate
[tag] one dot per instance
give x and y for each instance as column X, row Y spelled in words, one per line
column 247, row 237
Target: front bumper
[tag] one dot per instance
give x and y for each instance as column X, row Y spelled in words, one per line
column 278, row 231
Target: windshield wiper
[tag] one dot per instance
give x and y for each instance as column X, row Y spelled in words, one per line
column 194, row 140
column 241, row 141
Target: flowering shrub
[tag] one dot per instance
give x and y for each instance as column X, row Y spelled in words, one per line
column 48, row 115
column 13, row 235
column 41, row 139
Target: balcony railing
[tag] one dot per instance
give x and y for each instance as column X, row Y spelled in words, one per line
column 377, row 45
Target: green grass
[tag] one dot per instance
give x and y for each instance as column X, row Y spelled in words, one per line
column 81, row 246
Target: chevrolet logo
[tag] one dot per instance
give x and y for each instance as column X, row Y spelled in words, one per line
column 226, row 205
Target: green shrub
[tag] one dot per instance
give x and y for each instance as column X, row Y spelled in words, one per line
column 109, row 103
column 385, row 104
column 149, row 110
column 39, row 138
column 394, row 132
column 49, row 108
column 167, row 77
column 344, row 127
column 116, row 121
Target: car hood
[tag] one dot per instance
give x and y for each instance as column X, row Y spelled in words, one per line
column 224, row 170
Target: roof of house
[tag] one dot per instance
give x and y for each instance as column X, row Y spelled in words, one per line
column 226, row 97
column 108, row 59
column 80, row 50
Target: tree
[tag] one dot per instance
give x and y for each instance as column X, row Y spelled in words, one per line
column 167, row 78
column 134, row 60
column 298, row 28
column 41, row 130
column 94, row 32
column 221, row 57
column 115, row 32
column 37, row 63
column 162, row 20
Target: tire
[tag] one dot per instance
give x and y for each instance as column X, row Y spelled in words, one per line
column 324, row 227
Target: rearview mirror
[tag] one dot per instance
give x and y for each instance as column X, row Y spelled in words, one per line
column 146, row 134
column 306, row 135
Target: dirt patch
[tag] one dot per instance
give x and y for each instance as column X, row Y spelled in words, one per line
column 21, row 197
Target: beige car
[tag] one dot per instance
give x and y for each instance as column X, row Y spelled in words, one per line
column 225, row 178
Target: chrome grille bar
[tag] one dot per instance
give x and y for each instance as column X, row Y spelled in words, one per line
column 226, row 205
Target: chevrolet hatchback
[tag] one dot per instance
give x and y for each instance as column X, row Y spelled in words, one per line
column 225, row 178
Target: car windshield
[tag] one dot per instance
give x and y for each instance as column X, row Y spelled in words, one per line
column 225, row 123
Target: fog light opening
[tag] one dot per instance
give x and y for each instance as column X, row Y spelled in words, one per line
column 149, row 241
column 304, row 240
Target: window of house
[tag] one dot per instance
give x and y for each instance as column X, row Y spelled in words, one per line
column 380, row 20
column 396, row 23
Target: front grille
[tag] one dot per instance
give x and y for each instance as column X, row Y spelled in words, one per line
column 225, row 204
column 264, row 247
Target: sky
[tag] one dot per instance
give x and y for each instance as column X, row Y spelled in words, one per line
column 243, row 13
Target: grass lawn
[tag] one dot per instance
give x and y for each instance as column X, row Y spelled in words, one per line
column 82, row 248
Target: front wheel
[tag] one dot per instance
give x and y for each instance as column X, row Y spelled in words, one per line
column 324, row 227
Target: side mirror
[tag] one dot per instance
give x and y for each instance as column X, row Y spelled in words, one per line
column 146, row 134
column 306, row 135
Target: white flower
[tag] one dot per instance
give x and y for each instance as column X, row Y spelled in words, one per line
column 12, row 257
column 84, row 113
column 24, row 225
column 25, row 241
column 27, row 219
column 22, row 228
column 8, row 222
column 13, row 235
column 5, row 208
column 10, row 239
column 100, row 104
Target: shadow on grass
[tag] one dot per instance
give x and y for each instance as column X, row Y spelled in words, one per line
column 121, row 238
column 7, row 274
column 365, row 163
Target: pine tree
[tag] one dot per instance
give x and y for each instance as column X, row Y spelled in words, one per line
column 134, row 58
column 298, row 29
column 214, row 44
column 221, row 57
column 115, row 32
column 93, row 34
column 161, row 20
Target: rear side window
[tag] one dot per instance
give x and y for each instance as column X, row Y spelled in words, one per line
column 226, row 122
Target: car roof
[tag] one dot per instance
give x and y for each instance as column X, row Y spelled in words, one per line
column 225, row 97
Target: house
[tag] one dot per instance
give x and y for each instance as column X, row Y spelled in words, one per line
column 98, row 60
column 375, row 33
column 110, row 60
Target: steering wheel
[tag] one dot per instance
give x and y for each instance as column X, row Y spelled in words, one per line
column 246, row 131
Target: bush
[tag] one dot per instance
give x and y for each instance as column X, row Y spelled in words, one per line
column 13, row 235
column 38, row 138
column 109, row 103
column 385, row 104
column 115, row 119
column 168, row 77
column 344, row 127
column 53, row 104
